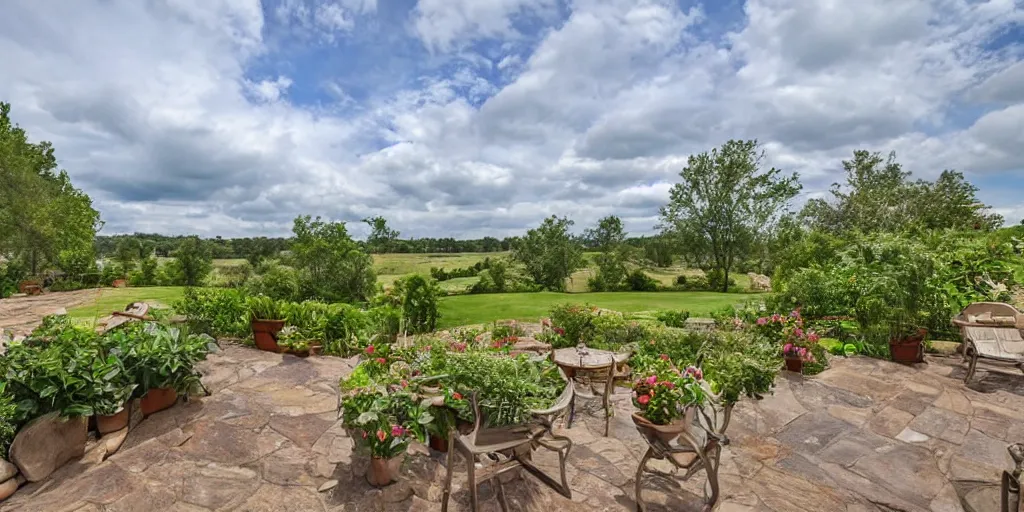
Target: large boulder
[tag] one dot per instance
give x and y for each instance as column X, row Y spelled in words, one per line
column 47, row 443
column 7, row 488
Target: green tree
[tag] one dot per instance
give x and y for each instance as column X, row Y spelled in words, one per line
column 878, row 196
column 332, row 267
column 41, row 212
column 609, row 237
column 382, row 238
column 192, row 262
column 723, row 201
column 128, row 249
column 148, row 267
column 549, row 253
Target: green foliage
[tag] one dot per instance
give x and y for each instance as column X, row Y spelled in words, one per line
column 216, row 311
column 549, row 253
column 7, row 419
column 673, row 318
column 331, row 265
column 79, row 373
column 147, row 271
column 386, row 421
column 611, row 271
column 417, row 297
column 41, row 212
column 573, row 323
column 879, row 197
column 382, row 238
column 11, row 274
column 724, row 202
column 192, row 262
column 262, row 307
column 127, row 253
column 663, row 398
column 276, row 281
column 641, row 282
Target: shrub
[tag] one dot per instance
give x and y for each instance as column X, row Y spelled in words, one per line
column 235, row 276
column 673, row 318
column 716, row 280
column 641, row 282
column 276, row 281
column 220, row 312
column 573, row 323
column 681, row 280
column 7, row 414
column 346, row 330
column 416, row 296
column 612, row 331
column 147, row 271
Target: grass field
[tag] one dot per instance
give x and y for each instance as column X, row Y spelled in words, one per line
column 108, row 300
column 477, row 309
column 461, row 309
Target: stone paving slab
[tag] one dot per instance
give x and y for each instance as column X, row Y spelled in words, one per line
column 867, row 435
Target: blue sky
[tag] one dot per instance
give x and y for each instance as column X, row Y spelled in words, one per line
column 469, row 118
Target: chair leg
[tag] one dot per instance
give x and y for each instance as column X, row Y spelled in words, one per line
column 450, row 462
column 501, row 494
column 639, row 477
column 474, row 498
column 572, row 412
column 971, row 367
column 711, row 471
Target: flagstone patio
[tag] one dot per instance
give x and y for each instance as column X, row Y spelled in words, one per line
column 866, row 435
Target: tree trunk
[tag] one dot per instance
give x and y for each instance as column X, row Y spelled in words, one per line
column 725, row 280
column 35, row 262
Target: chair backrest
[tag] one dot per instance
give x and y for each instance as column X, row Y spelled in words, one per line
column 991, row 310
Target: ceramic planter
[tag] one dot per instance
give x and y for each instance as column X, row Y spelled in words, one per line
column 156, row 400
column 106, row 424
column 794, row 364
column 907, row 351
column 264, row 333
column 666, row 433
column 383, row 471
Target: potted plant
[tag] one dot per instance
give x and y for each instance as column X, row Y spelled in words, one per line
column 665, row 401
column 109, row 407
column 440, row 427
column 266, row 320
column 906, row 344
column 293, row 340
column 384, row 421
column 163, row 361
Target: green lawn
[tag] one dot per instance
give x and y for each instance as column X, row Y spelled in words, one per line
column 477, row 309
column 108, row 300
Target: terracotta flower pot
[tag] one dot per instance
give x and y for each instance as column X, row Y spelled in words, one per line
column 383, row 471
column 264, row 333
column 156, row 400
column 907, row 351
column 666, row 433
column 119, row 283
column 794, row 364
column 439, row 443
column 106, row 424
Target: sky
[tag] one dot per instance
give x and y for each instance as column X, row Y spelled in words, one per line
column 471, row 118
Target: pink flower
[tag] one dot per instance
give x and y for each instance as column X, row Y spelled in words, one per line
column 664, row 357
column 397, row 431
column 813, row 337
column 652, row 380
column 381, row 435
column 381, row 360
column 457, row 396
column 365, row 435
column 802, row 352
column 776, row 318
column 669, row 384
column 643, row 399
column 762, row 321
column 370, row 349
column 799, row 332
column 693, row 371
column 788, row 347
column 404, row 383
column 737, row 322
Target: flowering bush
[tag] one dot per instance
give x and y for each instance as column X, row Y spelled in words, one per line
column 789, row 330
column 573, row 323
column 664, row 398
column 385, row 420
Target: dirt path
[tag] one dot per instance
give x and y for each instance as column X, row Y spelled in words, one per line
column 20, row 315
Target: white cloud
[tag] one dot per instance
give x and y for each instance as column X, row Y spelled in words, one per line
column 184, row 116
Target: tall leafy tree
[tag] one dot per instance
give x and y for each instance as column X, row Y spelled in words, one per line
column 382, row 238
column 44, row 219
column 550, row 253
column 609, row 237
column 331, row 265
column 724, row 199
column 878, row 196
column 192, row 262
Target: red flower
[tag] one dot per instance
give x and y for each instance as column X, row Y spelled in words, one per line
column 381, row 435
column 397, row 431
column 370, row 349
column 381, row 360
column 664, row 357
column 457, row 396
column 364, row 435
column 643, row 399
column 404, row 383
